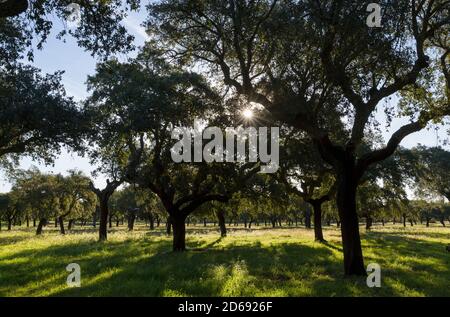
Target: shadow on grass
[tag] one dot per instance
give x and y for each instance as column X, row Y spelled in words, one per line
column 146, row 267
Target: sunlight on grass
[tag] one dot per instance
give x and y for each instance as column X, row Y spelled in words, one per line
column 257, row 262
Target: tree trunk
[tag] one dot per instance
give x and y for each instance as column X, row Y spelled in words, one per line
column 9, row 224
column 428, row 222
column 34, row 222
column 346, row 203
column 103, row 230
column 318, row 234
column 40, row 226
column 28, row 222
column 169, row 225
column 131, row 219
column 369, row 222
column 56, row 222
column 117, row 222
column 308, row 219
column 151, row 220
column 61, row 225
column 110, row 221
column 179, row 233
column 404, row 220
column 70, row 225
column 222, row 226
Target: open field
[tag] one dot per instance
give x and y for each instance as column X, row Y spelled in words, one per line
column 257, row 262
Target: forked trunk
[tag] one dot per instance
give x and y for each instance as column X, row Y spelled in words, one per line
column 40, row 226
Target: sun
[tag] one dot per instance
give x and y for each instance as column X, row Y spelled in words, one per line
column 247, row 114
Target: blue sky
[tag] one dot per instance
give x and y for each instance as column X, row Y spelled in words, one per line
column 78, row 64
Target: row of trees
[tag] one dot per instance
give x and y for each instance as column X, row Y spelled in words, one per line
column 313, row 68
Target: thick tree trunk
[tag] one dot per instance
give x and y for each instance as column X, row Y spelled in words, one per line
column 428, row 222
column 61, row 225
column 40, row 226
column 404, row 220
column 34, row 222
column 117, row 222
column 103, row 230
column 222, row 226
column 28, row 222
column 9, row 224
column 70, row 225
column 179, row 233
column 351, row 242
column 318, row 234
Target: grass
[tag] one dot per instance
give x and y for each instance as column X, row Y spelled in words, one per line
column 257, row 262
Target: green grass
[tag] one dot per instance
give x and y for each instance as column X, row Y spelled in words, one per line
column 260, row 262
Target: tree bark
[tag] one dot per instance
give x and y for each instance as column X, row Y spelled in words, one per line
column 70, row 225
column 169, row 225
column 221, row 220
column 318, row 233
column 179, row 233
column 9, row 224
column 103, row 230
column 346, row 203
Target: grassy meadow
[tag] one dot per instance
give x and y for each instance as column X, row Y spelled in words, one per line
column 257, row 262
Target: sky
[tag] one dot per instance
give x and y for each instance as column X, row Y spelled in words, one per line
column 78, row 64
